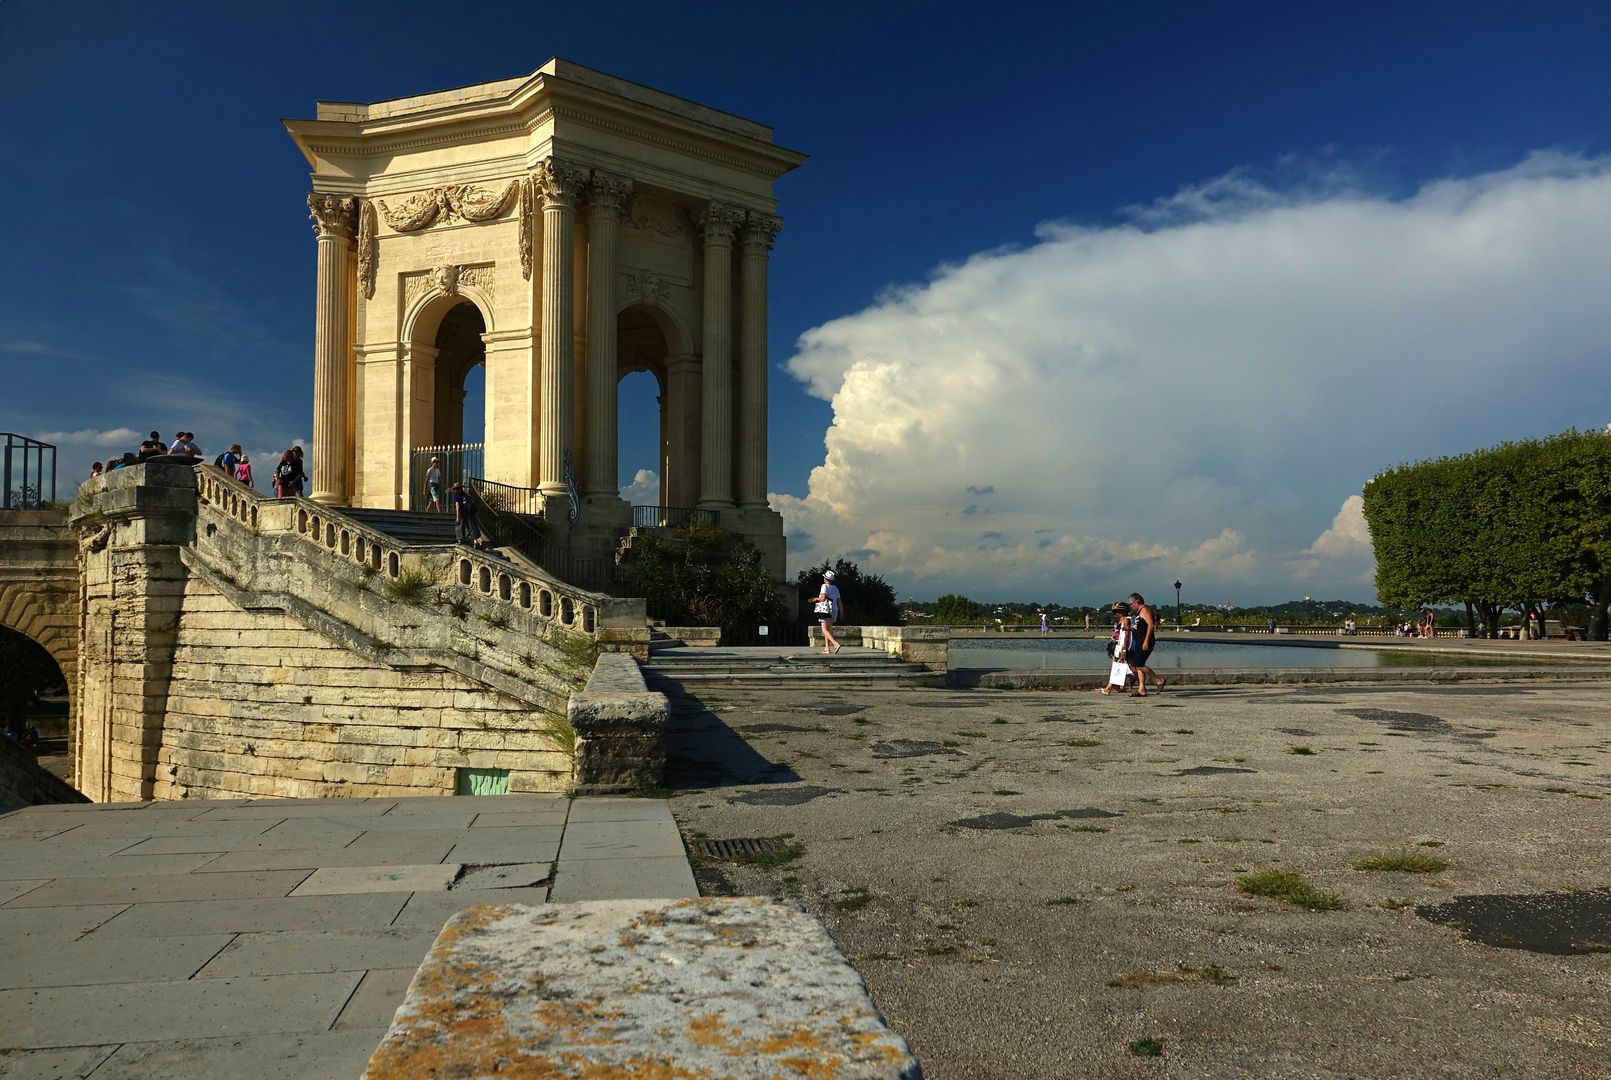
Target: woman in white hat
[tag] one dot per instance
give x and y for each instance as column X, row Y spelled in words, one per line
column 828, row 610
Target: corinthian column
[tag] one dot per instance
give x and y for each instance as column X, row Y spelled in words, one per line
column 759, row 231
column 558, row 185
column 605, row 199
column 334, row 219
column 716, row 481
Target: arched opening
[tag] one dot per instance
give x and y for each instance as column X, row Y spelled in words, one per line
column 644, row 459
column 459, row 352
column 35, row 706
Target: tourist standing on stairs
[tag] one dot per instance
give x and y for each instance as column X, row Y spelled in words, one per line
column 466, row 529
column 243, row 469
column 433, row 488
column 828, row 610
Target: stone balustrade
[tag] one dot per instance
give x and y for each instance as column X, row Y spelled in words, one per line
column 550, row 600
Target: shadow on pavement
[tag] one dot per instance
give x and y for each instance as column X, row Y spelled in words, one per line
column 703, row 752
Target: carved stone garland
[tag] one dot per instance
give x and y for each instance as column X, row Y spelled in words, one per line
column 526, row 230
column 445, row 203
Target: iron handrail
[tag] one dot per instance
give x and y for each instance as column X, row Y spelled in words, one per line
column 507, row 497
column 30, row 493
column 672, row 517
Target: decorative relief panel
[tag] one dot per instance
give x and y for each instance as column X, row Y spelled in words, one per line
column 481, row 278
column 366, row 247
column 658, row 216
column 464, row 201
column 449, row 279
column 644, row 285
column 415, row 285
column 526, row 200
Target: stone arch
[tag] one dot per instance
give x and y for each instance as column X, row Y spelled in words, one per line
column 448, row 328
column 39, row 592
column 678, row 340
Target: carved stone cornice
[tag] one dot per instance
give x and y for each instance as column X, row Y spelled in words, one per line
column 465, row 201
column 559, row 183
column 333, row 215
column 367, row 254
column 607, row 194
column 760, row 230
column 719, row 221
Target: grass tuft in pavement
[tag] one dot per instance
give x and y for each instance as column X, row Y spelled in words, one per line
column 1290, row 888
column 1301, row 751
column 1404, row 862
column 1147, row 1048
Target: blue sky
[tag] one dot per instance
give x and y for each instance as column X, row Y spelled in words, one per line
column 159, row 266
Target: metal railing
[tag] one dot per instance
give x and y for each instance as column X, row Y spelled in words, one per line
column 24, row 484
column 507, row 498
column 458, row 462
column 504, row 528
column 672, row 517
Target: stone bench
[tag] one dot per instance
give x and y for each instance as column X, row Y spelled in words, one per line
column 620, row 727
column 718, row 987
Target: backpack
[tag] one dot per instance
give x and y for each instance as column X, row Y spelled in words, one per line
column 218, row 462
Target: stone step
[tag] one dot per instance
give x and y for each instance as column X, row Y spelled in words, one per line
column 826, row 680
column 407, row 526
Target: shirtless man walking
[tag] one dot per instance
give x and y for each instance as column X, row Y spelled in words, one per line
column 1144, row 634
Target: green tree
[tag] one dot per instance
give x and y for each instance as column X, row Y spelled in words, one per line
column 702, row 579
column 1512, row 526
column 868, row 600
column 954, row 610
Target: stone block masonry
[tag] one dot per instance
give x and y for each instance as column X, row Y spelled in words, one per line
column 237, row 646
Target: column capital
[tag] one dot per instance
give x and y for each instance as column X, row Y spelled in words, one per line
column 333, row 216
column 719, row 221
column 559, row 183
column 760, row 230
column 607, row 194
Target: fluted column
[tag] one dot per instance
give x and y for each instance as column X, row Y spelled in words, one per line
column 718, row 223
column 558, row 185
column 335, row 217
column 606, row 197
column 680, row 473
column 759, row 231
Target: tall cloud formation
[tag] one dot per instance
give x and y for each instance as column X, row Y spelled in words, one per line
column 1202, row 392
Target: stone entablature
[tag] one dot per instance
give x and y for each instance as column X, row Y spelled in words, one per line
column 596, row 227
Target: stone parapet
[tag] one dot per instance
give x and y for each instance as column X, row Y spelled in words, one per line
column 926, row 645
column 719, row 987
column 620, row 728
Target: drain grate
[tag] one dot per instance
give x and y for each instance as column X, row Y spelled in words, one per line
column 736, row 849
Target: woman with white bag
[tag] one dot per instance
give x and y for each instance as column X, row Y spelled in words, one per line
column 825, row 605
column 1119, row 649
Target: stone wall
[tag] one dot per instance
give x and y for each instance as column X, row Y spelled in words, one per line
column 620, row 727
column 241, row 646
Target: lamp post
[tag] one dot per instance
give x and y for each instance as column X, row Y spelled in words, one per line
column 1179, row 618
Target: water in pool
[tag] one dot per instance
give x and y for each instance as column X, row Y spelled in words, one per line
column 1173, row 654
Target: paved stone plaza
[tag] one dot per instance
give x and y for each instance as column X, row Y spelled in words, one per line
column 1031, row 882
column 273, row 938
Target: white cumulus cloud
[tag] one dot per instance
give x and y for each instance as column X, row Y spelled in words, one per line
column 1193, row 393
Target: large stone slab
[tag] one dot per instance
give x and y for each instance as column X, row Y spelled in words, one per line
column 334, row 880
column 396, row 851
column 757, row 989
column 296, row 952
column 242, row 916
column 153, row 888
column 65, row 1063
column 621, row 840
column 193, row 1009
column 325, row 1055
column 43, row 961
column 623, row 879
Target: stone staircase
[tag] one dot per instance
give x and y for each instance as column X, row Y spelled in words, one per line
column 677, row 667
column 405, row 526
